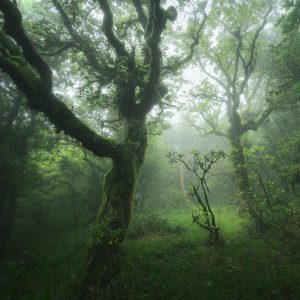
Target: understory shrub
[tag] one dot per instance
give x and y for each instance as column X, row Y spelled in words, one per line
column 152, row 224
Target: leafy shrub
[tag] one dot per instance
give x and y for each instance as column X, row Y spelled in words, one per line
column 149, row 225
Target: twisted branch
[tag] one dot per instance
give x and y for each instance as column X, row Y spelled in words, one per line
column 29, row 72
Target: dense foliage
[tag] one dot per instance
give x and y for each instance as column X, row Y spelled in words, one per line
column 149, row 149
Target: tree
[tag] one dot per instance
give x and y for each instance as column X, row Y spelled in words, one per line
column 157, row 186
column 290, row 19
column 17, row 127
column 67, row 184
column 229, row 63
column 136, row 79
column 283, row 69
column 199, row 165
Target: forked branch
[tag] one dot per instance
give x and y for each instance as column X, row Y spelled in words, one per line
column 108, row 24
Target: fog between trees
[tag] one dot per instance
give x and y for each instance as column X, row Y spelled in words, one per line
column 149, row 149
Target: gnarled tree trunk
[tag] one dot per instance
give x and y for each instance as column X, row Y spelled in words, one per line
column 114, row 216
column 247, row 201
column 238, row 161
column 235, row 133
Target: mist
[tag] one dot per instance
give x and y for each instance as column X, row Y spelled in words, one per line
column 149, row 150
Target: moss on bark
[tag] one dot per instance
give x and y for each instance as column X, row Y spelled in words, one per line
column 114, row 215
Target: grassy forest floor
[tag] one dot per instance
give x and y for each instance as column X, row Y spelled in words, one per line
column 164, row 257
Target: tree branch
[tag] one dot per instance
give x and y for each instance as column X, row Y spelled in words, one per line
column 153, row 91
column 13, row 27
column 21, row 68
column 204, row 132
column 254, row 124
column 219, row 63
column 237, row 56
column 249, row 66
column 108, row 25
column 249, row 96
column 66, row 46
column 140, row 12
column 85, row 45
column 212, row 97
column 216, row 79
column 181, row 62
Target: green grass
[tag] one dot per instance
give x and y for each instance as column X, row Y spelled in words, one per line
column 173, row 264
column 180, row 267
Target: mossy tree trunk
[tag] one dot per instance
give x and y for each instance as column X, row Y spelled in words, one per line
column 234, row 80
column 138, row 87
column 235, row 133
column 115, row 212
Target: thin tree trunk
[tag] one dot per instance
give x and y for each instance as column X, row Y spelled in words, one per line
column 6, row 131
column 8, row 208
column 94, row 194
column 11, row 189
column 182, row 185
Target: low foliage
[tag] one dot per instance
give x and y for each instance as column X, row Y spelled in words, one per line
column 160, row 266
column 274, row 209
column 179, row 267
column 199, row 165
column 152, row 225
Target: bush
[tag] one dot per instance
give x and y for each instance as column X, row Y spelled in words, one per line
column 149, row 225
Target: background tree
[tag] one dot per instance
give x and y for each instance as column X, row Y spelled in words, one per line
column 231, row 82
column 282, row 67
column 17, row 128
column 199, row 165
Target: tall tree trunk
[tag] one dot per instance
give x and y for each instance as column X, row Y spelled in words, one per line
column 16, row 142
column 6, row 130
column 8, row 204
column 185, row 199
column 114, row 216
column 247, row 199
column 239, row 163
column 235, row 133
column 94, row 194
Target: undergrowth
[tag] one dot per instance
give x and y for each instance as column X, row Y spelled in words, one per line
column 164, row 258
column 152, row 225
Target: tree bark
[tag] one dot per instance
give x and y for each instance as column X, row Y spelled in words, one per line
column 238, row 161
column 114, row 215
column 7, row 213
column 247, row 201
column 235, row 133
